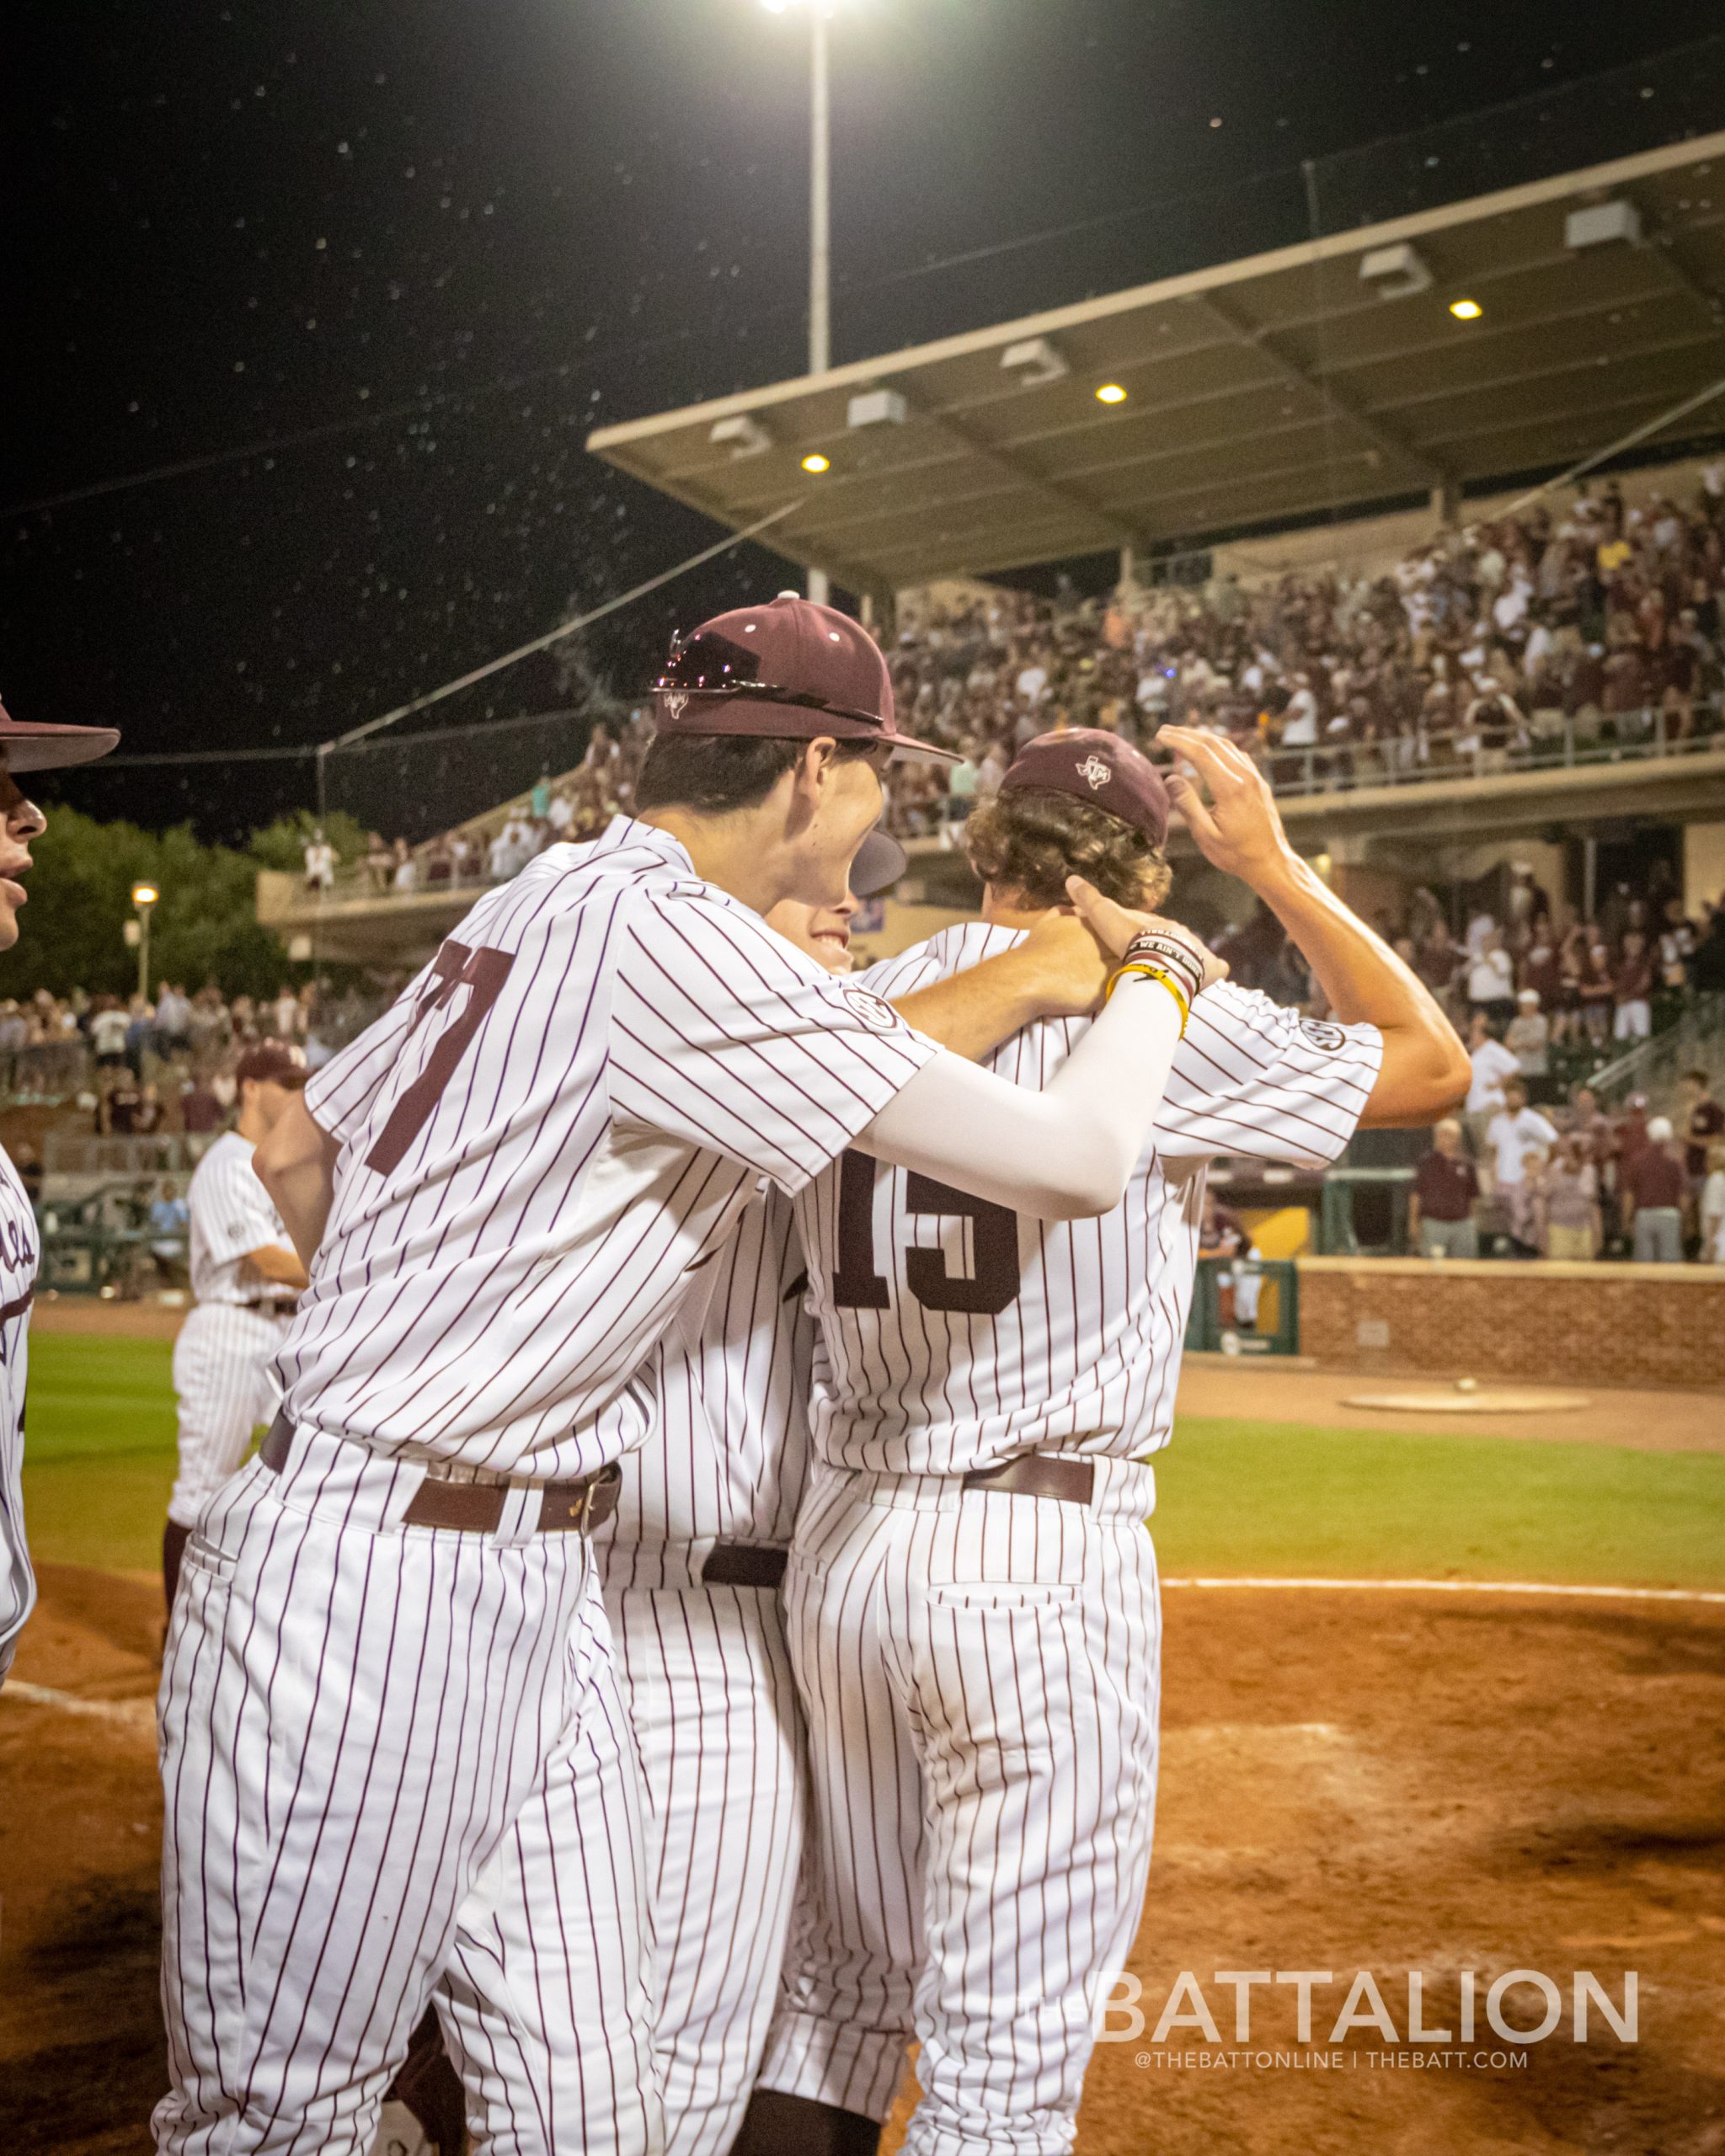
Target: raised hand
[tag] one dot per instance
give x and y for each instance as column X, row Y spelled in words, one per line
column 1239, row 828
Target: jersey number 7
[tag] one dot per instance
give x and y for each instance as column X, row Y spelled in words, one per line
column 858, row 1286
column 481, row 973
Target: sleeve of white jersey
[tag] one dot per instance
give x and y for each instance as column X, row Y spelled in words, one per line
column 1254, row 1078
column 235, row 1215
column 725, row 1035
column 339, row 1097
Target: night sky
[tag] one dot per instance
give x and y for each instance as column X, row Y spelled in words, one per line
column 445, row 237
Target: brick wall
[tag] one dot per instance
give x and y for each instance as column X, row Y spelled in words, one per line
column 1547, row 1324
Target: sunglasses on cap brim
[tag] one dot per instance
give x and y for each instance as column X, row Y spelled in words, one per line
column 709, row 665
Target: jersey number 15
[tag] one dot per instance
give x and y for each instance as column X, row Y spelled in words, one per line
column 857, row 1285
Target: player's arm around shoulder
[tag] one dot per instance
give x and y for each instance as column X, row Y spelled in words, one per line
column 1424, row 1070
column 1056, row 969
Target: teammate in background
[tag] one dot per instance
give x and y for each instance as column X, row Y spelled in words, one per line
column 396, row 1760
column 23, row 748
column 247, row 1282
column 971, row 1601
column 692, row 1563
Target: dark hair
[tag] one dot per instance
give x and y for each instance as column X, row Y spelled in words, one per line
column 1031, row 840
column 711, row 773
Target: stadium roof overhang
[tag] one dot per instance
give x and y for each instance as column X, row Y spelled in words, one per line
column 1259, row 392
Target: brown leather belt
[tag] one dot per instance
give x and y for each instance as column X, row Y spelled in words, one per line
column 477, row 1508
column 744, row 1564
column 1039, row 1475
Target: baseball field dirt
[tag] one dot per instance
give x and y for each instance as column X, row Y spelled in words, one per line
column 1351, row 1783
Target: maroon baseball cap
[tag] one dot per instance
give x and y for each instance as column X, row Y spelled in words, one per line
column 37, row 746
column 272, row 1063
column 1100, row 768
column 790, row 670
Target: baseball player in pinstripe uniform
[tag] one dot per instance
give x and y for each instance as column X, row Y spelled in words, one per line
column 971, row 1600
column 24, row 747
column 396, row 1761
column 247, row 1281
column 692, row 1562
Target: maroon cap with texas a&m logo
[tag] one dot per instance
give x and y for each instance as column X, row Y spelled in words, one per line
column 790, row 670
column 1097, row 767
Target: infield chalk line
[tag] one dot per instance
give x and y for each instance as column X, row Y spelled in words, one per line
column 131, row 1712
column 1473, row 1586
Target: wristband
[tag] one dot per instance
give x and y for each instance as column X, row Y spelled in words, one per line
column 1170, row 954
column 1148, row 972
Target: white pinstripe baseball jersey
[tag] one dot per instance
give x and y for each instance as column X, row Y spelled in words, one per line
column 954, row 1334
column 18, row 1258
column 551, row 1130
column 729, row 1446
column 232, row 1214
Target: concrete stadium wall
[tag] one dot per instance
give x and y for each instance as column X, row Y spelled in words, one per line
column 1540, row 1323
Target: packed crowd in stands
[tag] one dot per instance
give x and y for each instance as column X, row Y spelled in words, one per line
column 1585, row 631
column 141, row 1068
column 1591, row 630
column 1564, row 993
column 1571, row 1180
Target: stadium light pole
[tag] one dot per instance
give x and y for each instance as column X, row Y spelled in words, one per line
column 144, row 897
column 819, row 204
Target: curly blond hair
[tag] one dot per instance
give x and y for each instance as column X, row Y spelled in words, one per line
column 1030, row 840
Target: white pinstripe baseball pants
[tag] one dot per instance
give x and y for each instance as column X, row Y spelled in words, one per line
column 714, row 1705
column 395, row 1760
column 224, row 1377
column 980, row 1673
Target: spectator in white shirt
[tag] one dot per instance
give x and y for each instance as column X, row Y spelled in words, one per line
column 1529, row 1038
column 1515, row 1132
column 1493, row 1064
column 1491, row 979
column 320, row 861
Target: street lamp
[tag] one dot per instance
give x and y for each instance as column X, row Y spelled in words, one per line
column 143, row 896
column 819, row 205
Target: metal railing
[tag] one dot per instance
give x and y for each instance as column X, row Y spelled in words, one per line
column 1648, row 734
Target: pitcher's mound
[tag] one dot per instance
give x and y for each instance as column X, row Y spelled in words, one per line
column 1466, row 1397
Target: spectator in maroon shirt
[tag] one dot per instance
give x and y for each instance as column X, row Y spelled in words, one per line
column 1703, row 1121
column 1654, row 1184
column 1441, row 1206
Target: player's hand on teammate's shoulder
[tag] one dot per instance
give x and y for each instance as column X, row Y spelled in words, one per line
column 1065, row 968
column 1239, row 828
column 1114, row 927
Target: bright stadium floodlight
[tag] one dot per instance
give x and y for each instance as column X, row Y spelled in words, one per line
column 1467, row 310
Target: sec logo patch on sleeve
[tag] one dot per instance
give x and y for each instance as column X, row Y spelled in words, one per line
column 1323, row 1034
column 873, row 1010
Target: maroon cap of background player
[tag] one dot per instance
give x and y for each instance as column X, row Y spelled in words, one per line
column 34, row 745
column 789, row 670
column 1097, row 767
column 271, row 1063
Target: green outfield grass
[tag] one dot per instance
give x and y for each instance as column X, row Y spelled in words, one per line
column 1233, row 1496
column 1288, row 1499
column 98, row 1450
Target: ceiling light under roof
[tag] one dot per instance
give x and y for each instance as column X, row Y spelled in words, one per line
column 1467, row 310
column 1111, row 393
column 814, row 462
